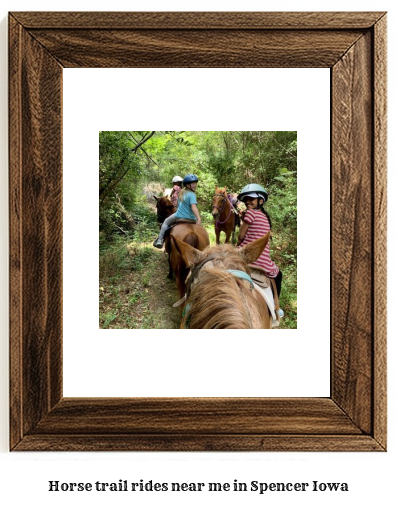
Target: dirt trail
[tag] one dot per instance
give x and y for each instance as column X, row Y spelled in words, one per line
column 140, row 299
column 138, row 293
column 163, row 294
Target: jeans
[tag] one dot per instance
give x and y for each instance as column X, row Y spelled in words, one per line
column 166, row 225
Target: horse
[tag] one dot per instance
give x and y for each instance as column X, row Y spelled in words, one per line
column 220, row 292
column 164, row 207
column 188, row 233
column 223, row 214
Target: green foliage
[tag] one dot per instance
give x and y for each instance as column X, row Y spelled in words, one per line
column 113, row 258
column 237, row 158
column 282, row 207
column 118, row 158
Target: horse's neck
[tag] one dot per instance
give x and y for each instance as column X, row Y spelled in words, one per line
column 234, row 306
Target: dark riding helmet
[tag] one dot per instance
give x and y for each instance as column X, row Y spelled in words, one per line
column 253, row 190
column 190, row 178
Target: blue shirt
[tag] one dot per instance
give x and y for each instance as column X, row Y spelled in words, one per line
column 185, row 205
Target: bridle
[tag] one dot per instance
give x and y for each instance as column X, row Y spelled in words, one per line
column 220, row 209
column 223, row 202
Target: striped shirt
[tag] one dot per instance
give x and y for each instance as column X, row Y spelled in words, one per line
column 258, row 227
column 175, row 191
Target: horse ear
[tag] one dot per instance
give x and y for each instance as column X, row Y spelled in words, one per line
column 157, row 198
column 189, row 254
column 251, row 252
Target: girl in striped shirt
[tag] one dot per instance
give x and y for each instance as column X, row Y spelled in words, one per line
column 256, row 223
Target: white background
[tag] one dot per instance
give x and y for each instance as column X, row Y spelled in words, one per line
column 24, row 477
column 236, row 363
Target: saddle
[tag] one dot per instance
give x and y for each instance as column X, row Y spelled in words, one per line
column 179, row 221
column 184, row 221
column 259, row 276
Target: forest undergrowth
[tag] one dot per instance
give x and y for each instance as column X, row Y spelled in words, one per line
column 135, row 292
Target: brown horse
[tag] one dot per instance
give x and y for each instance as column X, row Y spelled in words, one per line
column 223, row 213
column 220, row 293
column 194, row 236
column 165, row 208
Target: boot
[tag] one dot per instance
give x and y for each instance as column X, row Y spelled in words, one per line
column 158, row 243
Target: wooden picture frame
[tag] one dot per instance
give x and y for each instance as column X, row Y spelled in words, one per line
column 353, row 46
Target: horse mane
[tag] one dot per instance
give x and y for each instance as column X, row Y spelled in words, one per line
column 218, row 299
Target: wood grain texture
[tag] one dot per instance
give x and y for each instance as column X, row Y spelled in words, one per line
column 353, row 45
column 36, row 231
column 199, row 443
column 351, row 225
column 196, row 48
column 380, row 229
column 203, row 416
column 15, row 229
column 202, row 20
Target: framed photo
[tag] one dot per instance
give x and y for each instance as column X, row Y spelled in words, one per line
column 353, row 46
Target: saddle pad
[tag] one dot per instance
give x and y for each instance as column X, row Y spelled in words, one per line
column 267, row 295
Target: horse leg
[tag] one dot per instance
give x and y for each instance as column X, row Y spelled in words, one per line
column 228, row 233
column 170, row 272
column 180, row 280
column 217, row 234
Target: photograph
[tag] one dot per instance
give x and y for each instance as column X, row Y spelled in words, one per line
column 198, row 229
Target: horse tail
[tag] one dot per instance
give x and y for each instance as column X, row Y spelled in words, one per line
column 192, row 239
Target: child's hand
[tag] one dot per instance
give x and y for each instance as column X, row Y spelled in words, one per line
column 241, row 207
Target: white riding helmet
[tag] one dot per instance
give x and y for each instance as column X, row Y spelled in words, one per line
column 177, row 179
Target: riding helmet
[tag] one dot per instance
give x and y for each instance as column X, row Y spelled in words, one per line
column 190, row 178
column 253, row 190
column 177, row 179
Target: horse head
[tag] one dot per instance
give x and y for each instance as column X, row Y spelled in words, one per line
column 218, row 201
column 220, row 291
column 164, row 207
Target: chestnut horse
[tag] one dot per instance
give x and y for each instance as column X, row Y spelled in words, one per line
column 165, row 208
column 194, row 236
column 223, row 213
column 220, row 292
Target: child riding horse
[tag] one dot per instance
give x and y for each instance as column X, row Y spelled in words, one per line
column 256, row 223
column 187, row 208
